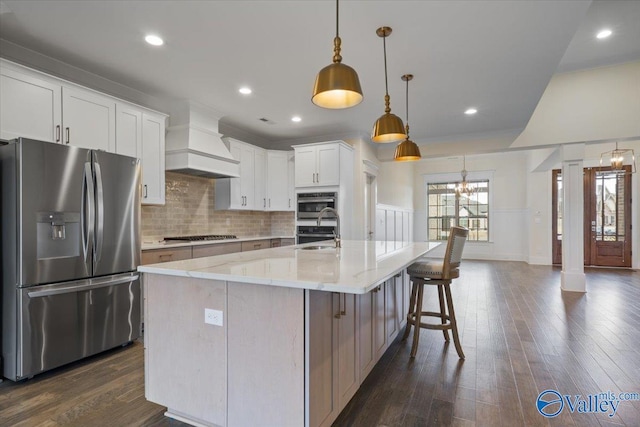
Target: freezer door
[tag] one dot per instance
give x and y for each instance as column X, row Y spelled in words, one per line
column 53, row 211
column 117, row 217
column 65, row 322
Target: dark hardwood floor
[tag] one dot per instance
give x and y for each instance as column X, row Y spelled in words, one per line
column 520, row 333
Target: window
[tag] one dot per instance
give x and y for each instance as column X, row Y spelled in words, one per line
column 446, row 209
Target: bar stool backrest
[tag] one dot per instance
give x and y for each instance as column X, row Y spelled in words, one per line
column 453, row 255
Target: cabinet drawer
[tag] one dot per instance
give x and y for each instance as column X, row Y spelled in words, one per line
column 218, row 249
column 287, row 242
column 156, row 256
column 255, row 245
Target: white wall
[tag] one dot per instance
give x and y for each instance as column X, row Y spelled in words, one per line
column 508, row 199
column 395, row 184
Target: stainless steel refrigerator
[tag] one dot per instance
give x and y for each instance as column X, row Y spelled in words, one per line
column 70, row 248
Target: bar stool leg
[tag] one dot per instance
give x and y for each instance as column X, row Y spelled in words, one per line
column 443, row 315
column 416, row 325
column 452, row 319
column 412, row 309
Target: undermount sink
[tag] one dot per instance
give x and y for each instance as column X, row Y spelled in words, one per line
column 317, row 247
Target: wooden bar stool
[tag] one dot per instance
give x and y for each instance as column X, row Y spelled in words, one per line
column 440, row 273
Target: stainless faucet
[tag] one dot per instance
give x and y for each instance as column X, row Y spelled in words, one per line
column 336, row 234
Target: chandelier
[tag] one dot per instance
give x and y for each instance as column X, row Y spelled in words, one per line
column 464, row 188
column 618, row 158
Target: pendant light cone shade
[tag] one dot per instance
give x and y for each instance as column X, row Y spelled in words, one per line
column 407, row 150
column 337, row 85
column 389, row 127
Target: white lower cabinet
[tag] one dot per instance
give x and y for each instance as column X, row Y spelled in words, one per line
column 332, row 354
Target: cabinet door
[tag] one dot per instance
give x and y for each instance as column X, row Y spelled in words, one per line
column 247, row 176
column 153, row 179
column 391, row 307
column 291, row 181
column 348, row 374
column 88, row 119
column 29, row 107
column 278, row 196
column 328, row 169
column 236, row 198
column 366, row 333
column 305, row 166
column 128, row 131
column 260, row 179
column 323, row 369
column 380, row 338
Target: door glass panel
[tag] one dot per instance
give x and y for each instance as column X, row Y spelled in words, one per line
column 610, row 197
column 559, row 207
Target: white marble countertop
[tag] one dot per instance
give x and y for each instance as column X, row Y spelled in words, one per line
column 356, row 268
column 182, row 243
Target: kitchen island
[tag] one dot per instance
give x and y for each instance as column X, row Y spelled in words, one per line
column 274, row 337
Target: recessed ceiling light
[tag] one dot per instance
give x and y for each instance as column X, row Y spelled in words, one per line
column 296, row 119
column 154, row 40
column 603, row 34
column 244, row 90
column 471, row 111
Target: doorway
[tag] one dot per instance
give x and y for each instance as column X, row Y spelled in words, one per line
column 607, row 217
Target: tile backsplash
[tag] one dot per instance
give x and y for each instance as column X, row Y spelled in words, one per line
column 189, row 210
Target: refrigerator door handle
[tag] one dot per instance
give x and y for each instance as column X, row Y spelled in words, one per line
column 99, row 215
column 87, row 287
column 87, row 208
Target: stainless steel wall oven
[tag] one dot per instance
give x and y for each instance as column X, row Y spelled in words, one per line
column 310, row 204
column 312, row 233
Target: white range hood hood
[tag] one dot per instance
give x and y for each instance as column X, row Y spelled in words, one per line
column 194, row 146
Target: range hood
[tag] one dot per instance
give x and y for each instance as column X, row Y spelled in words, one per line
column 194, row 146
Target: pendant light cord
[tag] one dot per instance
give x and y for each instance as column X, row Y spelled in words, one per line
column 337, row 15
column 407, row 98
column 384, row 48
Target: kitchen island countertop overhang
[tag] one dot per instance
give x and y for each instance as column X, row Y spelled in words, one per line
column 356, row 268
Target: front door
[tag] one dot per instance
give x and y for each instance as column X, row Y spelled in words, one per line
column 607, row 214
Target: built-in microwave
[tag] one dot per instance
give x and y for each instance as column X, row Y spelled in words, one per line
column 310, row 205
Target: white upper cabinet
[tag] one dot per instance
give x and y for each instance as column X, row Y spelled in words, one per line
column 319, row 164
column 29, row 107
column 128, row 130
column 89, row 119
column 248, row 191
column 152, row 155
column 141, row 134
column 37, row 106
column 279, row 186
column 259, row 179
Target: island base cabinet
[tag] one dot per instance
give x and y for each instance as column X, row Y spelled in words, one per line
column 332, row 352
column 249, row 371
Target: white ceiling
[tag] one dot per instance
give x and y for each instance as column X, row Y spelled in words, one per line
column 496, row 56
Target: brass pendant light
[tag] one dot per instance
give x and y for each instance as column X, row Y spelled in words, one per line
column 407, row 150
column 389, row 127
column 337, row 85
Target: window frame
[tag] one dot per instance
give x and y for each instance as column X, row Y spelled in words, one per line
column 455, row 177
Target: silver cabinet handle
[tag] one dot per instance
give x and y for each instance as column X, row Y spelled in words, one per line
column 68, row 134
column 264, row 202
column 289, row 202
column 146, row 192
column 344, row 298
column 269, row 202
column 337, row 315
column 57, row 133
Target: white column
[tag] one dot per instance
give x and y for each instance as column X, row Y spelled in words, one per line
column 573, row 277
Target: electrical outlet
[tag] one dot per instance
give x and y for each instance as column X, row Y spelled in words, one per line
column 213, row 317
